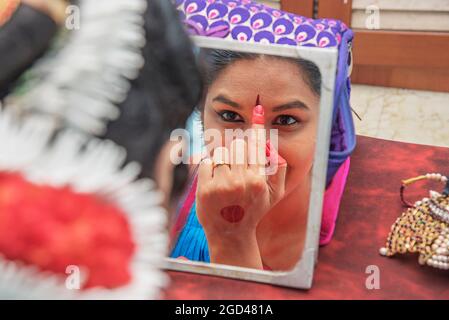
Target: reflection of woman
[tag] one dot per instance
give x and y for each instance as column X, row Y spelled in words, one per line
column 249, row 21
column 273, row 208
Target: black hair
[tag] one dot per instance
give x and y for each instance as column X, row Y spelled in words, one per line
column 165, row 93
column 214, row 61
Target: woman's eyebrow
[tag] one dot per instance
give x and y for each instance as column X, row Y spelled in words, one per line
column 221, row 98
column 291, row 105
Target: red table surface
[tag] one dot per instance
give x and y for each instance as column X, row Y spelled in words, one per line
column 369, row 207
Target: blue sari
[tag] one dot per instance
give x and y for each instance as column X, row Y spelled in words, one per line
column 192, row 242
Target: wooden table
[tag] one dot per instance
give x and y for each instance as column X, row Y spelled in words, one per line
column 370, row 205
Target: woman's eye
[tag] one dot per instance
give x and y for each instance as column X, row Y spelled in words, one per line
column 230, row 116
column 285, row 120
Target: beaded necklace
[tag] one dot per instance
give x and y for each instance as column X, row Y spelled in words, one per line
column 424, row 227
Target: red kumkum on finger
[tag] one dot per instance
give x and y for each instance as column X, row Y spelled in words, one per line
column 233, row 214
column 258, row 115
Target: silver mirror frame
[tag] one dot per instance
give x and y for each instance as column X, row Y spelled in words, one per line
column 302, row 274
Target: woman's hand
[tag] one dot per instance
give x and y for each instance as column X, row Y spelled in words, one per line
column 234, row 194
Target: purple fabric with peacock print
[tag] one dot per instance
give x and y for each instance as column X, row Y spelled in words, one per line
column 245, row 20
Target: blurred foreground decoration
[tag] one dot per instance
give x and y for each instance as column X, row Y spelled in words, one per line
column 69, row 201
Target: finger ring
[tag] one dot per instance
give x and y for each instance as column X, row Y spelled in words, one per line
column 221, row 163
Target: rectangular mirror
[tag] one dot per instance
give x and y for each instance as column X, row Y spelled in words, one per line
column 251, row 212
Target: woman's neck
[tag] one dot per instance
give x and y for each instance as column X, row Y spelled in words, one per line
column 281, row 233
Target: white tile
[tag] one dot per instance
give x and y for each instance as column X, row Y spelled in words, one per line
column 402, row 115
column 367, row 103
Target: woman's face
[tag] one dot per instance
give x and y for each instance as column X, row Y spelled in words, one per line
column 289, row 103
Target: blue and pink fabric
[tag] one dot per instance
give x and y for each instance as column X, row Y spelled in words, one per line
column 249, row 21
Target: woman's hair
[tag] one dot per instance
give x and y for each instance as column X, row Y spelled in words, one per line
column 213, row 62
column 163, row 96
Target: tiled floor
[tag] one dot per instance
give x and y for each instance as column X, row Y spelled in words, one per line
column 402, row 115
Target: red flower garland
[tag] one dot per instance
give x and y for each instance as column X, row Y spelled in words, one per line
column 52, row 228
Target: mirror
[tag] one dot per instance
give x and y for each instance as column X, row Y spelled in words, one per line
column 259, row 144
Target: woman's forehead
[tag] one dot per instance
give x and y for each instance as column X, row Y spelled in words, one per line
column 275, row 82
column 264, row 72
column 264, row 64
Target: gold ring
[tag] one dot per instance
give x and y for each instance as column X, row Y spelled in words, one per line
column 221, row 164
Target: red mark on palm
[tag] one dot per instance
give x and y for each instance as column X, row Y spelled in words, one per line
column 233, row 214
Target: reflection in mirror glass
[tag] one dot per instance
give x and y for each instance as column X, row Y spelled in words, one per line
column 254, row 137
